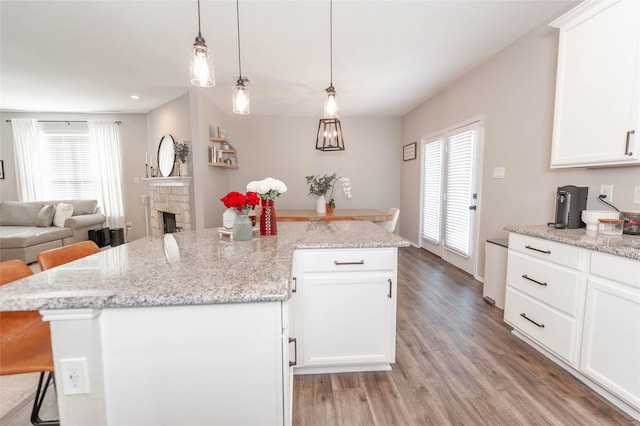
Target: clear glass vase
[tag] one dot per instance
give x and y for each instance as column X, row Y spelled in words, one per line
column 242, row 229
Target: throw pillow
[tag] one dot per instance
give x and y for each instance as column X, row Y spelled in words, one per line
column 45, row 216
column 63, row 212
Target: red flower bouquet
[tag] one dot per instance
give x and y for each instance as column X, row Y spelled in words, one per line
column 241, row 202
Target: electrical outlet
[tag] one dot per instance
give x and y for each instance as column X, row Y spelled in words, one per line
column 75, row 376
column 608, row 191
column 128, row 225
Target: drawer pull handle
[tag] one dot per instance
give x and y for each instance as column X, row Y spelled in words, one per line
column 523, row 315
column 535, row 249
column 535, row 281
column 335, row 262
column 390, row 284
column 295, row 351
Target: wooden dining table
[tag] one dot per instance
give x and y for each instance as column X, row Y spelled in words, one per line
column 297, row 215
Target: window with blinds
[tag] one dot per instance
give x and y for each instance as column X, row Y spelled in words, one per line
column 432, row 191
column 459, row 188
column 70, row 174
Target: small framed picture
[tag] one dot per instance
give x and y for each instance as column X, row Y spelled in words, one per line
column 409, row 151
column 1, row 169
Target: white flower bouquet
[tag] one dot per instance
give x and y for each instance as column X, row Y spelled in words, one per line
column 267, row 189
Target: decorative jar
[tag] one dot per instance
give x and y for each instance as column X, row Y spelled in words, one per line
column 321, row 205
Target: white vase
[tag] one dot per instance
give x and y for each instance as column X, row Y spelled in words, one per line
column 184, row 169
column 321, row 205
column 228, row 217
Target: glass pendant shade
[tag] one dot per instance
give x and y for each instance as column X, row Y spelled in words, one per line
column 201, row 69
column 329, row 135
column 331, row 103
column 241, row 100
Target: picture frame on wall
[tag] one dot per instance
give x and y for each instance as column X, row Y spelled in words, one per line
column 409, row 151
column 1, row 169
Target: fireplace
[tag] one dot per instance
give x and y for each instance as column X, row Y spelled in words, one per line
column 170, row 196
column 169, row 220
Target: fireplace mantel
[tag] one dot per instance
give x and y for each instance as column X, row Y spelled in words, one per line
column 169, row 181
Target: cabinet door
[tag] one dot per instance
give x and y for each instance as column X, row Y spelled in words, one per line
column 348, row 319
column 597, row 88
column 611, row 341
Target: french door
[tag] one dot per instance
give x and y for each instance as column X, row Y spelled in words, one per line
column 449, row 195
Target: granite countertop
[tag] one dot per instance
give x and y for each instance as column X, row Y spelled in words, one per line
column 624, row 245
column 188, row 268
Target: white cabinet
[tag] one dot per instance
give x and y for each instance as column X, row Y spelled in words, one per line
column 345, row 309
column 545, row 291
column 597, row 115
column 611, row 343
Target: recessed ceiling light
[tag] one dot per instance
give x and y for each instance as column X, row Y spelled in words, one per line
column 136, row 97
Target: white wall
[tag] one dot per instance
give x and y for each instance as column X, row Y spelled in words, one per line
column 284, row 148
column 133, row 137
column 515, row 92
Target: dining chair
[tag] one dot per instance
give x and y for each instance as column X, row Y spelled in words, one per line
column 25, row 343
column 61, row 255
column 390, row 225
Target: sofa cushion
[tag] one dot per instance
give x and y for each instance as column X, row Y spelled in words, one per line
column 25, row 236
column 45, row 216
column 17, row 213
column 80, row 207
column 63, row 212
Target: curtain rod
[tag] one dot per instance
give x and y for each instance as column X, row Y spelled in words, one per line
column 65, row 121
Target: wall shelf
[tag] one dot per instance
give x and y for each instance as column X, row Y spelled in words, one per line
column 222, row 154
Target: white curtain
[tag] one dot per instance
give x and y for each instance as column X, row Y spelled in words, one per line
column 27, row 158
column 104, row 139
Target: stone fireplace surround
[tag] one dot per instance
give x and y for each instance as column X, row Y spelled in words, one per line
column 171, row 195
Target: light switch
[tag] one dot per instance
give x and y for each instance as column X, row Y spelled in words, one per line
column 498, row 172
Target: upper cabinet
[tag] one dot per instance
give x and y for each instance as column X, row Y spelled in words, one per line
column 597, row 115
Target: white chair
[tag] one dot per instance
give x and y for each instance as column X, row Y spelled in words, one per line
column 390, row 225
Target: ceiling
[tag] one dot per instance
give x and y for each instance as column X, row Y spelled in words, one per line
column 388, row 56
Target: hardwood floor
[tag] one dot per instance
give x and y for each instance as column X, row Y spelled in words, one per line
column 456, row 364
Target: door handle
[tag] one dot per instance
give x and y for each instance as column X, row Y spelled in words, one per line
column 295, row 351
column 390, row 286
column 295, row 287
column 473, row 207
column 626, row 148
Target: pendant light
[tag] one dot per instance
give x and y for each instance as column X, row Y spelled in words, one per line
column 241, row 100
column 201, row 69
column 329, row 136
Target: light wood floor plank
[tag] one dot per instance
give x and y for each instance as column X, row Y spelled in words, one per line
column 457, row 363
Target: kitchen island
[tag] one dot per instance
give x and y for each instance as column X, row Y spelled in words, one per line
column 574, row 295
column 191, row 329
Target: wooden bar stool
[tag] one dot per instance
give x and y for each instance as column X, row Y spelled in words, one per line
column 59, row 256
column 25, row 342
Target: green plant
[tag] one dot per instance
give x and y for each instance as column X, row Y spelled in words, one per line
column 320, row 185
column 181, row 150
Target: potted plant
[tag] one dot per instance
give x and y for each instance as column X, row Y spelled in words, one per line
column 181, row 150
column 320, row 185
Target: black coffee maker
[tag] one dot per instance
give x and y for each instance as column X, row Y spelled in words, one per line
column 570, row 201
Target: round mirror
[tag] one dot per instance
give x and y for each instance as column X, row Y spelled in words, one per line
column 166, row 155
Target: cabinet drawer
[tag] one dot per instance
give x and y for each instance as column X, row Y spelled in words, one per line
column 555, row 331
column 553, row 284
column 548, row 250
column 616, row 268
column 337, row 260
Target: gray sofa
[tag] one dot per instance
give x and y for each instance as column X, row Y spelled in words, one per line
column 24, row 233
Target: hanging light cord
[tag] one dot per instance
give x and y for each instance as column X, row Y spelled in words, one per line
column 238, row 20
column 199, row 33
column 331, row 41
